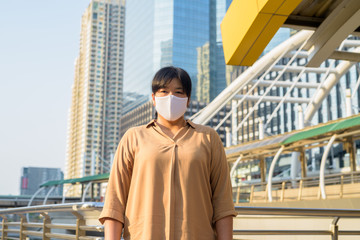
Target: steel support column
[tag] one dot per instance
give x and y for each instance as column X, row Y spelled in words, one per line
column 271, row 172
column 303, row 163
column 322, row 166
column 263, row 169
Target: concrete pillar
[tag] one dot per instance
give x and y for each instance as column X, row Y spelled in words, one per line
column 301, row 117
column 261, row 129
column 234, row 122
column 228, row 137
column 295, row 165
column 296, row 156
column 350, row 148
column 348, row 102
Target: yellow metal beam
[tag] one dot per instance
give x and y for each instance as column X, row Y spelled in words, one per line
column 248, row 26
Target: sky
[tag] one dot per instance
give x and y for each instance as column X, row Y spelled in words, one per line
column 39, row 42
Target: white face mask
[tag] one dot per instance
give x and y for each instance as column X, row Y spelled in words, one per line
column 171, row 107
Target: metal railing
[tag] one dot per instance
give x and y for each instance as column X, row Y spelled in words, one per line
column 333, row 215
column 44, row 225
column 83, row 212
column 337, row 186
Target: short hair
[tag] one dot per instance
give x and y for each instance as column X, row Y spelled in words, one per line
column 166, row 74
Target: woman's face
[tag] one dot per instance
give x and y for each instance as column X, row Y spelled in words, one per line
column 171, row 101
column 173, row 88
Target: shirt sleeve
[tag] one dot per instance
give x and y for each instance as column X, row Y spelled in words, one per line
column 222, row 201
column 119, row 181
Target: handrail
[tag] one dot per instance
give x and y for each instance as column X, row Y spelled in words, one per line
column 342, row 185
column 305, row 212
column 24, row 228
column 54, row 208
column 333, row 175
column 308, row 213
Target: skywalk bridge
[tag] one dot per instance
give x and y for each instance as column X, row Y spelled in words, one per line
column 324, row 183
column 302, row 71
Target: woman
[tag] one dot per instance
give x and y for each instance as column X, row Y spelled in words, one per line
column 170, row 179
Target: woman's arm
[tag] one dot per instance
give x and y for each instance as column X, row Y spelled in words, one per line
column 113, row 229
column 224, row 228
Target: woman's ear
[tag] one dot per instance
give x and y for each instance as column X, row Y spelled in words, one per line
column 153, row 98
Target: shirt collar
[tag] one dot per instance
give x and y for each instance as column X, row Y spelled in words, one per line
column 152, row 123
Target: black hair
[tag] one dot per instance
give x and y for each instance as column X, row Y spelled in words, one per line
column 166, row 74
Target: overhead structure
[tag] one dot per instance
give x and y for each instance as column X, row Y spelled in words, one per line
column 248, row 27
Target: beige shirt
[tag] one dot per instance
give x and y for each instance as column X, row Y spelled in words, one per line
column 164, row 188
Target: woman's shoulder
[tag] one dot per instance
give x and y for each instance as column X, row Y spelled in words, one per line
column 137, row 129
column 202, row 128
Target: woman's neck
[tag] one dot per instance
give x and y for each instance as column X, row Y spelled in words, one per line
column 171, row 127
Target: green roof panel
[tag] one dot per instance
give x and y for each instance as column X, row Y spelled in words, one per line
column 76, row 180
column 343, row 124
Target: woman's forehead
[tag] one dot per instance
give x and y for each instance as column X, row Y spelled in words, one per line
column 176, row 83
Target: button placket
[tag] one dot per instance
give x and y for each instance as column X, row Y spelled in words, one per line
column 172, row 193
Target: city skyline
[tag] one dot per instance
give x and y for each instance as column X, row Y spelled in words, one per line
column 39, row 44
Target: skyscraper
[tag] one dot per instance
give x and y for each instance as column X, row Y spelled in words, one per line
column 94, row 117
column 182, row 33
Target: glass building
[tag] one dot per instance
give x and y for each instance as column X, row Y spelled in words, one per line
column 33, row 177
column 182, row 33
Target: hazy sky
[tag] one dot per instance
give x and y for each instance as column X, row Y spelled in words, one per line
column 39, row 42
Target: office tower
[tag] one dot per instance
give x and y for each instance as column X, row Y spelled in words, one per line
column 33, row 177
column 203, row 76
column 94, row 118
column 182, row 33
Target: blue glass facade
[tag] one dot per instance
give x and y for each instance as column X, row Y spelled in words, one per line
column 191, row 30
column 183, row 33
column 219, row 82
column 139, row 39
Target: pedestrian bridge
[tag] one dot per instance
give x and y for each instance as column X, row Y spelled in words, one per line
column 303, row 192
column 311, row 184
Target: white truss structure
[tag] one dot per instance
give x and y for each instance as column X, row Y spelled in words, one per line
column 269, row 73
column 258, row 76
